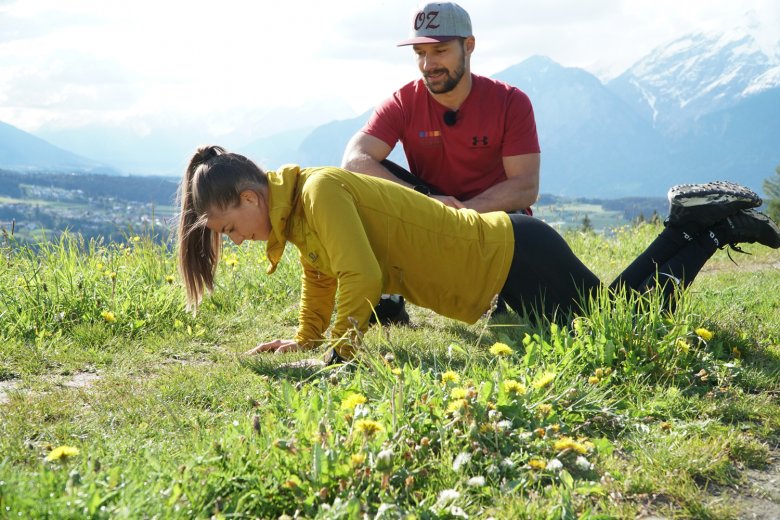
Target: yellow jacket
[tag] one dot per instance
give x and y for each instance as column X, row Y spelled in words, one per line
column 360, row 237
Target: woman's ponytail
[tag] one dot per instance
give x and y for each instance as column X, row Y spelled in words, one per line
column 213, row 178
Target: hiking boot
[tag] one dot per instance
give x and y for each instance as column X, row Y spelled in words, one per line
column 747, row 225
column 390, row 311
column 703, row 205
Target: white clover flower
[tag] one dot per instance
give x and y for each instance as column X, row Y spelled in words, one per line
column 554, row 465
column 583, row 463
column 457, row 512
column 504, row 425
column 508, row 463
column 478, row 481
column 447, row 497
column 494, row 415
column 461, row 460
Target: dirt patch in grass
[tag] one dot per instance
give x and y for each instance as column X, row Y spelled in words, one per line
column 6, row 386
column 759, row 497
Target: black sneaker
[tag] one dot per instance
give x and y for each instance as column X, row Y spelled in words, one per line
column 750, row 226
column 332, row 357
column 390, row 310
column 702, row 205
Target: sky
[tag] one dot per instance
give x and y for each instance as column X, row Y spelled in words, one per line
column 67, row 64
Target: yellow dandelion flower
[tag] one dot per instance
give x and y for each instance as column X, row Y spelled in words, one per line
column 544, row 380
column 110, row 274
column 352, row 400
column 486, row 428
column 666, row 426
column 537, row 464
column 99, row 266
column 555, row 428
column 231, row 260
column 450, row 377
column 599, row 372
column 567, row 443
column 704, row 333
column 457, row 404
column 396, row 371
column 544, row 409
column 593, row 380
column 540, row 432
column 108, row 316
column 62, row 452
column 501, row 350
column 736, row 352
column 136, row 238
column 459, row 393
column 682, row 345
column 368, row 427
column 357, row 459
column 514, row 387
column 170, row 279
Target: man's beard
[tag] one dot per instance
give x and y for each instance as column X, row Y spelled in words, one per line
column 450, row 82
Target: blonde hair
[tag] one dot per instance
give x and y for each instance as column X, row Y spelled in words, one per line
column 214, row 178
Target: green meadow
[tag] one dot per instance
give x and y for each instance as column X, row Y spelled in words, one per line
column 117, row 403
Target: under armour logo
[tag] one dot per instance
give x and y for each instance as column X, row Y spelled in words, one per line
column 475, row 140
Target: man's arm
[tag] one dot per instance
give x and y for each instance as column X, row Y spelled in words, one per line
column 519, row 191
column 365, row 152
column 363, row 155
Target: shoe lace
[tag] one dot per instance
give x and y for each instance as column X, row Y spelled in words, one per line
column 734, row 247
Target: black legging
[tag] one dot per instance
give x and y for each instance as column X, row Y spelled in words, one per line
column 546, row 278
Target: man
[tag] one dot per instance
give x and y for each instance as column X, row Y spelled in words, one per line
column 470, row 141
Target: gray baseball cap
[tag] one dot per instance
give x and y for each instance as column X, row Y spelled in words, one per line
column 439, row 22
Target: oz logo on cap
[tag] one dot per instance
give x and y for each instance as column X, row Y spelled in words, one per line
column 439, row 22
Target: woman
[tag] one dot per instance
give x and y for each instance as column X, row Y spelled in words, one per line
column 360, row 236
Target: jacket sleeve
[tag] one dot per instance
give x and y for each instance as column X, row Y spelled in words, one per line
column 331, row 211
column 318, row 293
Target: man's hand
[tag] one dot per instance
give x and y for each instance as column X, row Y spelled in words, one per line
column 277, row 346
column 449, row 201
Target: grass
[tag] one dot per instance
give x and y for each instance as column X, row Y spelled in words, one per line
column 618, row 415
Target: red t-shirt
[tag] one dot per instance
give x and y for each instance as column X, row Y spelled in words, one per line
column 496, row 120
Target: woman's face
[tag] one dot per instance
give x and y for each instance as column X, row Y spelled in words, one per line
column 247, row 221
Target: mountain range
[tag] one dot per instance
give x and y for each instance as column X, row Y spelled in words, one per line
column 702, row 107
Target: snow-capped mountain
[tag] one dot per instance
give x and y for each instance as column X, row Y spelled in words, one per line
column 700, row 74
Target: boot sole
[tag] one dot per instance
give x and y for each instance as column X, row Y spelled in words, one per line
column 708, row 203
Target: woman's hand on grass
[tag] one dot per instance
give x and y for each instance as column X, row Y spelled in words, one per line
column 277, row 346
